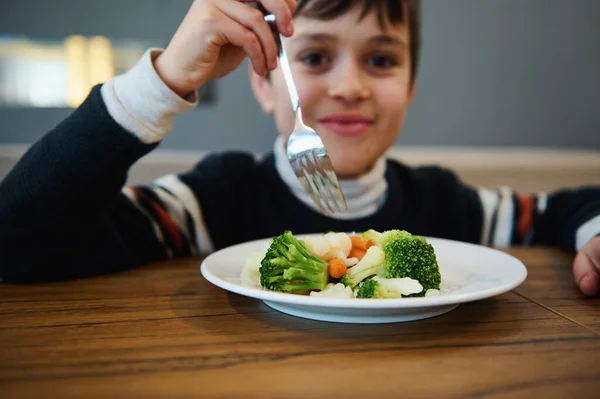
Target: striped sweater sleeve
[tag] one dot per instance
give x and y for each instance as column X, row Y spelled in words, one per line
column 565, row 218
column 174, row 214
column 64, row 208
column 140, row 102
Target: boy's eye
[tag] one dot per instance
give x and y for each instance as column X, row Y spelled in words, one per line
column 381, row 61
column 314, row 59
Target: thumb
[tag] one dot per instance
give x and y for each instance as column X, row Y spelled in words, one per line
column 586, row 268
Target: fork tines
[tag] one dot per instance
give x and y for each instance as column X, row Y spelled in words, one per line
column 315, row 172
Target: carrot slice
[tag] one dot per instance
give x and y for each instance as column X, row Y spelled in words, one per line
column 337, row 267
column 357, row 253
column 360, row 243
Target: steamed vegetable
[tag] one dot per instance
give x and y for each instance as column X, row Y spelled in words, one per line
column 289, row 266
column 388, row 264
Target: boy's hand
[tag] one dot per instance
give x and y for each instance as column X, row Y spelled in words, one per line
column 586, row 267
column 214, row 38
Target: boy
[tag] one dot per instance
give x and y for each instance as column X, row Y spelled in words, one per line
column 65, row 213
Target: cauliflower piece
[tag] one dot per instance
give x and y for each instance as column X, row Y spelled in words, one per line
column 340, row 244
column 432, row 292
column 329, row 245
column 318, row 245
column 335, row 291
column 250, row 276
column 351, row 262
column 371, row 264
column 404, row 285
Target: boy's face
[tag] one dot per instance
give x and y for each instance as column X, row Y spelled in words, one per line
column 354, row 83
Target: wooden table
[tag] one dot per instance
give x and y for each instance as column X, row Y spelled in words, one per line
column 164, row 332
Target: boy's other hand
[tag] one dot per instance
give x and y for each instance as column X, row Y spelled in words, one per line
column 214, row 38
column 586, row 267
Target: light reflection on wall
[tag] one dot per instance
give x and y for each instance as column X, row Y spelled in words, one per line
column 42, row 73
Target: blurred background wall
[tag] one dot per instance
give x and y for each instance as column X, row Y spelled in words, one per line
column 499, row 73
column 508, row 90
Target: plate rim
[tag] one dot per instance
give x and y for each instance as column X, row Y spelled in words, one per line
column 363, row 303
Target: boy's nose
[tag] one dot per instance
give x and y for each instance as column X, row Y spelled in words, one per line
column 348, row 83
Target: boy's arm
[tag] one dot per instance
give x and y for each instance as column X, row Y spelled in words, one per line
column 569, row 219
column 64, row 212
column 565, row 218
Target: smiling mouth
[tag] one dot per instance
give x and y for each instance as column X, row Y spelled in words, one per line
column 347, row 126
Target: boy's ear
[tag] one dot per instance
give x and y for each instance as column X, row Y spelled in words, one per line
column 263, row 91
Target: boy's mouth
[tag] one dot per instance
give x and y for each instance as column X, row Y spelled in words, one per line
column 346, row 124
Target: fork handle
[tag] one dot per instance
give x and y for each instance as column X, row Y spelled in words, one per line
column 284, row 63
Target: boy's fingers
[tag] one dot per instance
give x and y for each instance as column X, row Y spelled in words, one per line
column 246, row 39
column 283, row 14
column 292, row 4
column 253, row 20
column 586, row 268
column 586, row 276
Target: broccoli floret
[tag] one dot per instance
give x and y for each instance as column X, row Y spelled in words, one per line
column 389, row 288
column 288, row 266
column 371, row 264
column 408, row 256
column 372, row 289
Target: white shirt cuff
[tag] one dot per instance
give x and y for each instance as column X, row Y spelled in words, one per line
column 586, row 232
column 142, row 103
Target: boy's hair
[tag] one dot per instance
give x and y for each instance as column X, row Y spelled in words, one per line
column 390, row 10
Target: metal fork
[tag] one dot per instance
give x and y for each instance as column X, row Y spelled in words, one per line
column 305, row 149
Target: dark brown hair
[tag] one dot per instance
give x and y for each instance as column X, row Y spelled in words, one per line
column 392, row 11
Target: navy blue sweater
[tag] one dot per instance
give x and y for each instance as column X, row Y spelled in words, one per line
column 65, row 211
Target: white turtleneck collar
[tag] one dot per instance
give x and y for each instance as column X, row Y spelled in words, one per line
column 364, row 195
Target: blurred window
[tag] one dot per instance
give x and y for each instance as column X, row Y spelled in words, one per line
column 57, row 74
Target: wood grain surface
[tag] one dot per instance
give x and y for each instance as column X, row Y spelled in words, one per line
column 164, row 332
column 550, row 284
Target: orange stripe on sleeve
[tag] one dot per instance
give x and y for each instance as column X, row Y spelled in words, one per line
column 167, row 222
column 526, row 207
column 169, row 225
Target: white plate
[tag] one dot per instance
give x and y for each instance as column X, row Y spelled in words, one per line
column 469, row 273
